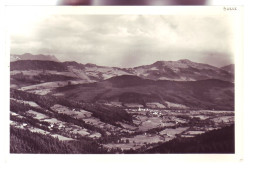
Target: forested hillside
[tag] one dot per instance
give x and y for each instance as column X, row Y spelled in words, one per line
column 216, row 141
column 24, row 141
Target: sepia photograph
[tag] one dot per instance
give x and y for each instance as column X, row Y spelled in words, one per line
column 124, row 80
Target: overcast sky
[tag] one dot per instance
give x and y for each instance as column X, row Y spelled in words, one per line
column 126, row 40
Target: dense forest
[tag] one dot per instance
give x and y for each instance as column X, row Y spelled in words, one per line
column 24, row 141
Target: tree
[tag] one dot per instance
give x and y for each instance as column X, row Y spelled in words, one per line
column 127, row 141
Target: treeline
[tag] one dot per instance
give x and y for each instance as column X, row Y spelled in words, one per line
column 216, row 141
column 24, row 141
column 42, row 77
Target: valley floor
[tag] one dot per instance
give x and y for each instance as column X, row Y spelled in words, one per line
column 150, row 127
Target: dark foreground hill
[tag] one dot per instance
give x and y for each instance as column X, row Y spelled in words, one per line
column 204, row 94
column 216, row 141
column 23, row 141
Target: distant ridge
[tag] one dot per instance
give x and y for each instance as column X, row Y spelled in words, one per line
column 230, row 68
column 28, row 56
column 180, row 70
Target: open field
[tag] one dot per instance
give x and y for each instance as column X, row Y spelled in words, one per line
column 169, row 132
column 77, row 113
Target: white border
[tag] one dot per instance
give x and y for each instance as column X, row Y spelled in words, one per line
column 83, row 161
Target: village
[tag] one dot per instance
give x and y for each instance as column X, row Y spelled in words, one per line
column 156, row 126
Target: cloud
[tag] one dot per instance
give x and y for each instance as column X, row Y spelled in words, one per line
column 128, row 40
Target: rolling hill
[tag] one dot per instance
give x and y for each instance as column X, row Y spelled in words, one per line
column 209, row 94
column 181, row 70
column 194, row 85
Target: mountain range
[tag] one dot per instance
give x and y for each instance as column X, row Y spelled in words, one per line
column 166, row 84
column 181, row 70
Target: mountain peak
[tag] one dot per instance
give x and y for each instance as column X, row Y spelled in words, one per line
column 184, row 61
column 159, row 62
column 90, row 65
column 170, row 62
column 26, row 54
